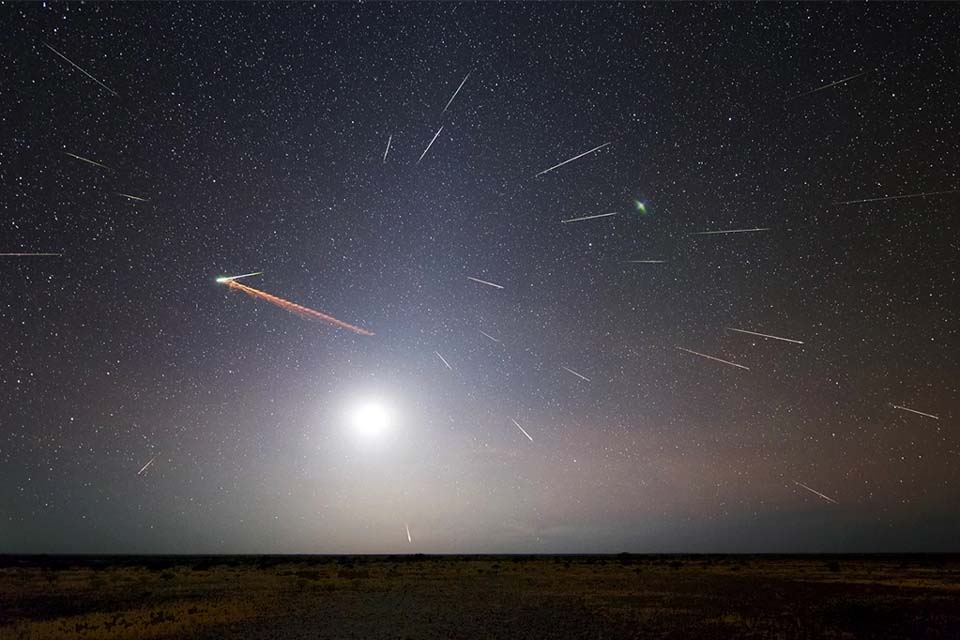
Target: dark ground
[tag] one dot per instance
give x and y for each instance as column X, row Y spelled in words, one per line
column 624, row 596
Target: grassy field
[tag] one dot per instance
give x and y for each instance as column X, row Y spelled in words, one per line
column 624, row 596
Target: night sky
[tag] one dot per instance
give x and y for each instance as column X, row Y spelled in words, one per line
column 252, row 138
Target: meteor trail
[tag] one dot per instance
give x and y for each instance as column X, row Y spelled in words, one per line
column 429, row 145
column 521, row 429
column 571, row 159
column 599, row 215
column 76, row 66
column 644, row 261
column 409, row 538
column 389, row 140
column 712, row 233
column 826, row 86
column 488, row 336
column 150, row 462
column 443, row 360
column 457, row 91
column 919, row 413
column 225, row 279
column 301, row 311
column 815, row 492
column 582, row 377
column 909, row 195
column 24, row 255
column 126, row 195
column 489, row 284
column 703, row 355
column 93, row 162
column 763, row 335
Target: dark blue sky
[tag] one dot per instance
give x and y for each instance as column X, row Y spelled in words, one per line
column 255, row 136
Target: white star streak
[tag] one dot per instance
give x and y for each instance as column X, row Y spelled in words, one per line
column 714, row 233
column 521, row 429
column 75, row 65
column 556, row 166
column 582, row 377
column 599, row 215
column 826, row 86
column 25, row 255
column 443, row 360
column 919, row 413
column 93, row 162
column 429, row 145
column 764, row 335
column 389, row 140
column 144, row 467
column 703, row 355
column 489, row 284
column 456, row 92
column 815, row 492
column 644, row 261
column 924, row 194
column 127, row 195
column 487, row 335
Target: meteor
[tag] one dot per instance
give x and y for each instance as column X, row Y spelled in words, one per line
column 489, row 284
column 126, row 195
column 826, row 86
column 443, row 360
column 521, row 429
column 763, row 335
column 24, row 255
column 225, row 279
column 919, row 413
column 599, row 215
column 76, row 66
column 389, row 140
column 924, row 194
column 93, row 162
column 144, row 467
column 644, row 261
column 557, row 166
column 815, row 492
column 713, row 233
column 703, row 355
column 582, row 377
column 429, row 145
column 409, row 538
column 457, row 91
column 292, row 307
column 487, row 335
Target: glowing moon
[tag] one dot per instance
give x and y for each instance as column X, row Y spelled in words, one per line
column 371, row 419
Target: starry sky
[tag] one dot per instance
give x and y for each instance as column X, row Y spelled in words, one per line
column 253, row 138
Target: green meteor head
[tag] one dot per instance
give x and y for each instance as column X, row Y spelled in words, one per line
column 640, row 207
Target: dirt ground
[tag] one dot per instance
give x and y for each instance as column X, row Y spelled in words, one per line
column 623, row 596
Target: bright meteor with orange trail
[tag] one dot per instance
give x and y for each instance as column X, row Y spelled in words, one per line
column 291, row 306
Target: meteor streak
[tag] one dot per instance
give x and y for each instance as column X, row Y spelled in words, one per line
column 389, row 140
column 599, row 215
column 703, row 355
column 76, row 66
column 521, row 429
column 763, row 335
column 93, row 162
column 429, row 145
column 144, row 467
column 582, row 377
column 556, row 166
column 409, row 538
column 644, row 261
column 457, row 91
column 826, row 86
column 909, row 195
column 225, row 279
column 815, row 492
column 489, row 284
column 24, row 255
column 126, row 195
column 919, row 413
column 487, row 335
column 301, row 311
column 712, row 233
column 443, row 360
